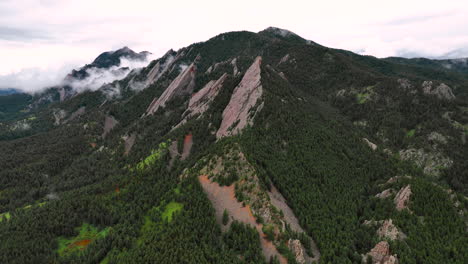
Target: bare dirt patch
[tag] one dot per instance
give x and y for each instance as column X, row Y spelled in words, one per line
column 109, row 123
column 188, row 142
column 82, row 243
column 223, row 197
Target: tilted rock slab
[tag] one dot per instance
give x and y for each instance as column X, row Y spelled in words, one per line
column 160, row 68
column 402, row 198
column 200, row 101
column 236, row 115
column 182, row 84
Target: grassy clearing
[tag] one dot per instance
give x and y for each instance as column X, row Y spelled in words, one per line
column 6, row 216
column 362, row 97
column 170, row 209
column 410, row 133
column 151, row 159
column 86, row 234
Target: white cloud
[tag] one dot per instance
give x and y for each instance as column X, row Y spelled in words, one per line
column 98, row 77
column 47, row 33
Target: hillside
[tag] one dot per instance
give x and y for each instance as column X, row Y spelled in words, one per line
column 246, row 148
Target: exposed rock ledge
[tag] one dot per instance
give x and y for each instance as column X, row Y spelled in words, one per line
column 182, row 84
column 431, row 162
column 402, row 198
column 380, row 254
column 442, row 91
column 236, row 115
column 201, row 101
column 370, row 144
column 390, row 231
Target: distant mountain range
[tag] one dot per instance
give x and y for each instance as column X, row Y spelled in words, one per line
column 8, row 91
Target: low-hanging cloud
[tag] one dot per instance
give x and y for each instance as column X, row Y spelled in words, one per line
column 97, row 77
column 34, row 80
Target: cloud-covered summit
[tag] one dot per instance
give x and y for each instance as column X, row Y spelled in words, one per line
column 106, row 68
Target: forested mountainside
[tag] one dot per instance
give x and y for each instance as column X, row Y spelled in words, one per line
column 247, row 148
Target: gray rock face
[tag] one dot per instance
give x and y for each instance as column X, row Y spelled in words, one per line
column 160, row 68
column 390, row 231
column 59, row 115
column 237, row 114
column 129, row 141
column 437, row 137
column 405, row 84
column 182, row 84
column 370, row 144
column 284, row 59
column 296, row 248
column 384, row 194
column 431, row 162
column 442, row 91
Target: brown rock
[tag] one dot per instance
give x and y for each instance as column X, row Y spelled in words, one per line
column 402, row 198
column 384, row 194
column 182, row 84
column 380, row 254
column 237, row 114
column 390, row 231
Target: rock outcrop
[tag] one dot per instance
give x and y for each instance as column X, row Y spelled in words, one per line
column 59, row 115
column 437, row 138
column 442, row 91
column 380, row 254
column 284, row 59
column 181, row 85
column 390, row 231
column 431, row 162
column 201, row 100
column 370, row 144
column 402, row 198
column 160, row 68
column 238, row 113
column 384, row 194
column 296, row 248
column 129, row 141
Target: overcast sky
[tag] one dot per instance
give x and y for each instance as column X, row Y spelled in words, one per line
column 43, row 39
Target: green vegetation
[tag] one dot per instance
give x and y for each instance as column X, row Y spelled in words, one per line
column 410, row 133
column 269, row 232
column 5, row 216
column 170, row 210
column 225, row 217
column 362, row 97
column 151, row 159
column 86, row 235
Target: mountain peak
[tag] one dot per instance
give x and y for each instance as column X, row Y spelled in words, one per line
column 279, row 32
